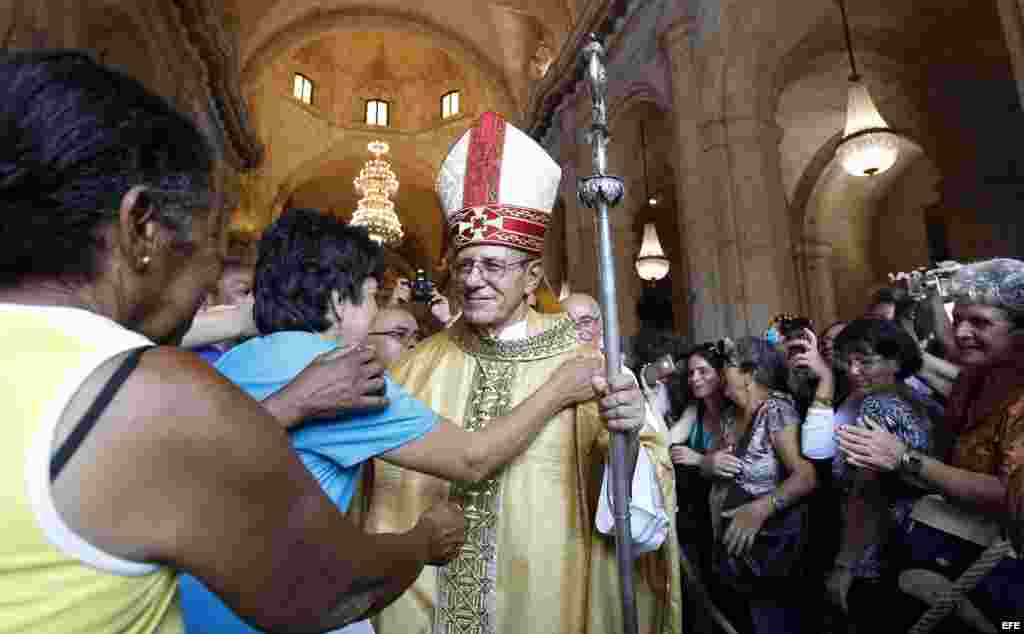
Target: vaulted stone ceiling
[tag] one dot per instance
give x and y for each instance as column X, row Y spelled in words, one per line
column 406, row 52
column 502, row 36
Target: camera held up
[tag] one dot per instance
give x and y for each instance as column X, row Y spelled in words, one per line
column 422, row 288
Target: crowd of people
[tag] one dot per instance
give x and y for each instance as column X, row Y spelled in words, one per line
column 890, row 448
column 201, row 442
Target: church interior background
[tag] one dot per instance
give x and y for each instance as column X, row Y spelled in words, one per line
column 724, row 114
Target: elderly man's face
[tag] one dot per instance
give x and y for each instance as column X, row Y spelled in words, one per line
column 493, row 282
column 586, row 315
column 393, row 333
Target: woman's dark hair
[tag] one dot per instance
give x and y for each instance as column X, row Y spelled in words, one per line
column 882, row 337
column 711, row 352
column 303, row 257
column 755, row 355
column 76, row 137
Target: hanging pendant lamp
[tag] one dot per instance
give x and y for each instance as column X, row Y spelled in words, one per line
column 869, row 146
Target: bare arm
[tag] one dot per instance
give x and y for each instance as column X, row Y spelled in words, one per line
column 452, row 453
column 802, row 479
column 879, row 450
column 980, row 490
column 938, row 373
column 258, row 531
column 340, row 381
column 748, row 519
column 220, row 323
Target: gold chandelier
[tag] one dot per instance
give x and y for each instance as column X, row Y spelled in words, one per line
column 375, row 210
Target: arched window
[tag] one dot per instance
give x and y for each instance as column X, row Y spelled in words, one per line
column 450, row 104
column 378, row 112
column 302, row 88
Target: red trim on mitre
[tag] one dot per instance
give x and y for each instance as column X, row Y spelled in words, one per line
column 483, row 161
column 516, row 227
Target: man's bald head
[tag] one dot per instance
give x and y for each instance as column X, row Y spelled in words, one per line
column 585, row 312
column 394, row 332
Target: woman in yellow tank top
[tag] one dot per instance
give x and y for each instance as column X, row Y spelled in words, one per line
column 117, row 468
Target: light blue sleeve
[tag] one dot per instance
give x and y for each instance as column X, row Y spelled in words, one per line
column 333, row 450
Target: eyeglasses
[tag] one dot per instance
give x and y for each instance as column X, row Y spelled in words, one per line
column 584, row 321
column 405, row 337
column 490, row 268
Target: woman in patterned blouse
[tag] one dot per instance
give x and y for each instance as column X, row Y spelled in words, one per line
column 876, row 356
column 770, row 472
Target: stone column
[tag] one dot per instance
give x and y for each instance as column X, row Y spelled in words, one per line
column 821, row 292
column 757, row 249
column 698, row 223
column 1012, row 14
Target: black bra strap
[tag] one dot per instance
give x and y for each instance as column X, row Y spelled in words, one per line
column 88, row 421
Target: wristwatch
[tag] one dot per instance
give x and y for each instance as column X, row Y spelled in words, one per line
column 910, row 462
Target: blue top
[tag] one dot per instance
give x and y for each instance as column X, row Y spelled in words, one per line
column 700, row 439
column 210, row 354
column 332, row 450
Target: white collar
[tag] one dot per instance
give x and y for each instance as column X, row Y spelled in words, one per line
column 514, row 331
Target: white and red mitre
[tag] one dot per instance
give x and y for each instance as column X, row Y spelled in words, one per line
column 497, row 186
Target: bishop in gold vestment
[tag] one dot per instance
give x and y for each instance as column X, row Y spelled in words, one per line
column 533, row 562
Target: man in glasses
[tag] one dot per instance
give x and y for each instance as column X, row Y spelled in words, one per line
column 393, row 333
column 532, row 562
column 585, row 312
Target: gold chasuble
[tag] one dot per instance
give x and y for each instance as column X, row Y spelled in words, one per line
column 533, row 562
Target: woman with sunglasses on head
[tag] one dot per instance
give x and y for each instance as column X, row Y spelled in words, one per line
column 985, row 417
column 758, row 511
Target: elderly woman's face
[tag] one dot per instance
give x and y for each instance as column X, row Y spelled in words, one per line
column 984, row 334
column 737, row 385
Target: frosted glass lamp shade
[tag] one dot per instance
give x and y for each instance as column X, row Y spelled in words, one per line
column 868, row 146
column 651, row 263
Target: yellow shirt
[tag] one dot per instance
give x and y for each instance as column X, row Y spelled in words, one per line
column 51, row 580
